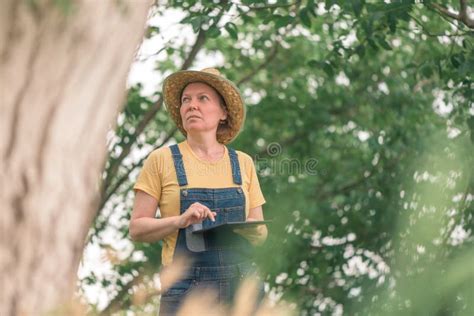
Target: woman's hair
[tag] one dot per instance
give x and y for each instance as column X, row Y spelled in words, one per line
column 223, row 127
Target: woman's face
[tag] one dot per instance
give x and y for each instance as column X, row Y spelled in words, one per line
column 200, row 109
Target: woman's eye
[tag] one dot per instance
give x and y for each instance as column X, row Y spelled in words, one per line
column 185, row 100
column 203, row 97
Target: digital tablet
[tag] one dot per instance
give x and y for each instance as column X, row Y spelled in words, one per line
column 199, row 229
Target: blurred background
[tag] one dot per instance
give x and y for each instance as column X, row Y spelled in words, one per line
column 360, row 119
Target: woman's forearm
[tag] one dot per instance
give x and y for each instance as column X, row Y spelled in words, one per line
column 148, row 229
column 256, row 234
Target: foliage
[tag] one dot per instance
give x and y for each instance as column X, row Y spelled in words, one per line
column 344, row 97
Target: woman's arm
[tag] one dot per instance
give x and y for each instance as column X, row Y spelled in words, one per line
column 144, row 227
column 256, row 214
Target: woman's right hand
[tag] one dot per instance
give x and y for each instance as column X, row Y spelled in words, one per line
column 196, row 213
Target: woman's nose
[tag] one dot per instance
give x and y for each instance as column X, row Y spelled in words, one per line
column 193, row 106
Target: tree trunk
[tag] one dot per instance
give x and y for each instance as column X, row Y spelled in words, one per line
column 63, row 69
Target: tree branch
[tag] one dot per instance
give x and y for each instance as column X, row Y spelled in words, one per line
column 445, row 11
column 428, row 32
column 270, row 57
column 105, row 197
column 200, row 40
column 462, row 16
column 270, row 6
column 124, row 177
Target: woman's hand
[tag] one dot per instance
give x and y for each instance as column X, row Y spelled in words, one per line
column 196, row 213
column 255, row 234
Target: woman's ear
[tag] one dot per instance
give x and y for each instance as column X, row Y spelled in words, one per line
column 224, row 115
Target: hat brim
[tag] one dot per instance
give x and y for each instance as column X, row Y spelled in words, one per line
column 175, row 83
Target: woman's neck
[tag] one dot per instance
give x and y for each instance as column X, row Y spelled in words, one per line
column 207, row 148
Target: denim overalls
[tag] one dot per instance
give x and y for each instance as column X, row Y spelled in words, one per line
column 219, row 259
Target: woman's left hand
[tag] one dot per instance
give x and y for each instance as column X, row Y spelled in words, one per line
column 255, row 234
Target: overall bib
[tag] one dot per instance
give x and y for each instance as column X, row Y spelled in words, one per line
column 219, row 259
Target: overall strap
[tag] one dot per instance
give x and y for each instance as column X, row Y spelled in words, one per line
column 179, row 165
column 234, row 162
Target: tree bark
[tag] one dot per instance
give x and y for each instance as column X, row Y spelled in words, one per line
column 62, row 77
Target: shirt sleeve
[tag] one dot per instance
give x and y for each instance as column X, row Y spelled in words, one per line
column 255, row 193
column 149, row 179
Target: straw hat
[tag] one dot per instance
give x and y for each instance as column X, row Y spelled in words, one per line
column 174, row 85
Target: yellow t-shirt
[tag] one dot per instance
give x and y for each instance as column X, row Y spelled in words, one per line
column 158, row 179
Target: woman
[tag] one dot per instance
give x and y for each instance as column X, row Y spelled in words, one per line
column 200, row 182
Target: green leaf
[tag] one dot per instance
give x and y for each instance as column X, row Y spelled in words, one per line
column 232, row 29
column 328, row 69
column 310, row 7
column 457, row 60
column 426, row 70
column 314, row 63
column 372, row 44
column 186, row 19
column 305, row 19
column 326, row 66
column 282, row 21
column 367, row 26
column 329, row 4
column 383, row 43
column 360, row 50
column 196, row 23
column 392, row 23
column 466, row 68
column 152, row 30
column 357, row 6
column 213, row 32
column 470, row 123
